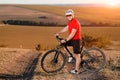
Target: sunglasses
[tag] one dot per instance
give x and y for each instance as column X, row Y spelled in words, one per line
column 68, row 15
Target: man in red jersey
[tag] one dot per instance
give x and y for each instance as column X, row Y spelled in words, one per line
column 74, row 29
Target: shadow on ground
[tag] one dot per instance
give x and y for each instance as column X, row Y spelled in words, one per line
column 27, row 73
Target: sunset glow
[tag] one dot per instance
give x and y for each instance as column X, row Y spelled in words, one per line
column 112, row 3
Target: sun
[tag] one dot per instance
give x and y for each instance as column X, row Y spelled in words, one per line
column 112, row 2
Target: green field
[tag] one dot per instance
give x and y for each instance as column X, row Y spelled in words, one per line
column 29, row 37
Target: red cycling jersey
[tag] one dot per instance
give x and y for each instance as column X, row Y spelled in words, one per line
column 74, row 24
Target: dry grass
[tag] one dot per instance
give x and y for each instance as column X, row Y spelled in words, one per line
column 10, row 55
column 108, row 73
column 29, row 37
column 112, row 69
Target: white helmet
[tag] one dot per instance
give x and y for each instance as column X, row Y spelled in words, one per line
column 69, row 12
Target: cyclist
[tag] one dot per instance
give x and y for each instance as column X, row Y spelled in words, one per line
column 74, row 29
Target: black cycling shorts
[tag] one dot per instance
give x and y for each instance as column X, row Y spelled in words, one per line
column 75, row 44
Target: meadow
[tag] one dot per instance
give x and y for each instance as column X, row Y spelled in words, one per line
column 30, row 36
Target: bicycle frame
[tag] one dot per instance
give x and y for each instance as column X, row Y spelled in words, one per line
column 63, row 45
column 86, row 57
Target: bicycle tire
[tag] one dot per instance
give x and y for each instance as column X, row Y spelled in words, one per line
column 47, row 64
column 95, row 59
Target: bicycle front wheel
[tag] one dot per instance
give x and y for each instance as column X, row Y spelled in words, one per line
column 53, row 61
column 94, row 59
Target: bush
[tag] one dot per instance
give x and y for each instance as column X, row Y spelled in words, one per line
column 96, row 41
column 3, row 45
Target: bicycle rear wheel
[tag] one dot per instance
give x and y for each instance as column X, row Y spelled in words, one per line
column 53, row 61
column 94, row 59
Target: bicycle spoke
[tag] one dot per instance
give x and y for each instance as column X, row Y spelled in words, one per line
column 94, row 59
column 53, row 61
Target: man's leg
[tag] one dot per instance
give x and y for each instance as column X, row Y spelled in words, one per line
column 78, row 60
column 77, row 64
column 76, row 49
column 69, row 46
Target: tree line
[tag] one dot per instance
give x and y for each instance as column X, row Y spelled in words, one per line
column 30, row 23
column 35, row 23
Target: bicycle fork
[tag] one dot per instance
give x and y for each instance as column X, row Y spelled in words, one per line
column 55, row 59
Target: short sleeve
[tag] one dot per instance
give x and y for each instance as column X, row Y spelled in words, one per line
column 75, row 24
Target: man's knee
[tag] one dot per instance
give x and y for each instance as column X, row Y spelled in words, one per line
column 77, row 55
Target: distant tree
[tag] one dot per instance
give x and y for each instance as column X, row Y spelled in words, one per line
column 4, row 22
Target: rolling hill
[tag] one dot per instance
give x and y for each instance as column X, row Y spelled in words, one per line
column 86, row 14
column 103, row 16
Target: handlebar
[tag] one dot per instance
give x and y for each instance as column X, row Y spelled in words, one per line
column 58, row 38
column 84, row 40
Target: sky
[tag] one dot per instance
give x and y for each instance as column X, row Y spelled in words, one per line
column 58, row 1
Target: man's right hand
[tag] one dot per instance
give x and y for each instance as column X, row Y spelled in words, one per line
column 63, row 41
column 56, row 34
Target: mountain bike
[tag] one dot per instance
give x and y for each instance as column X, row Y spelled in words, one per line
column 92, row 59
